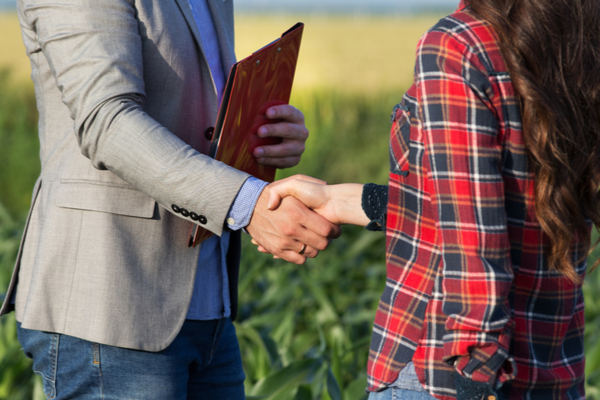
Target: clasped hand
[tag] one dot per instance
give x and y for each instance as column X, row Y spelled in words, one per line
column 319, row 209
column 297, row 217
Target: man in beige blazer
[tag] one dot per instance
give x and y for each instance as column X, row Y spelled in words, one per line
column 104, row 278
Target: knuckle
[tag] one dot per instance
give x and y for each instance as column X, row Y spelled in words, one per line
column 332, row 231
column 324, row 230
column 322, row 244
column 288, row 230
column 296, row 214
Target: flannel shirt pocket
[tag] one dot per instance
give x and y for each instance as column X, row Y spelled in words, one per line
column 400, row 141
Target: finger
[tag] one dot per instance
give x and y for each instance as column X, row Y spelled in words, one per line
column 287, row 148
column 321, row 227
column 263, row 250
column 310, row 179
column 280, row 163
column 314, row 230
column 285, row 130
column 293, row 257
column 310, row 252
column 286, row 187
column 254, row 242
column 286, row 112
column 275, row 199
column 299, row 177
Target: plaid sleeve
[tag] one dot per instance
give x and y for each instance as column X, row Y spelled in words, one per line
column 460, row 132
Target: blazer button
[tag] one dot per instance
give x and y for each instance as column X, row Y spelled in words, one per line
column 194, row 216
column 202, row 219
column 208, row 133
column 185, row 212
column 176, row 208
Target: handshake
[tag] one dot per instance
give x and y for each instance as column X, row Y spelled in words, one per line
column 296, row 217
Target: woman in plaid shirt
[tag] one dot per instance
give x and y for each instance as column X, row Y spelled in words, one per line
column 493, row 191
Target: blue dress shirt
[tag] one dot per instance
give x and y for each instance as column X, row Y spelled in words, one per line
column 210, row 299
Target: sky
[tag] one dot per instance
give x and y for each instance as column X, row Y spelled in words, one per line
column 343, row 6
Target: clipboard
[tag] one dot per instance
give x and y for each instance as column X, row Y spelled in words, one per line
column 255, row 83
column 262, row 80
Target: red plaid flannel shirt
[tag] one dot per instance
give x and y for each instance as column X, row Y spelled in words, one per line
column 468, row 286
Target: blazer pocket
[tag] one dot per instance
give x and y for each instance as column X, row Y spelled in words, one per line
column 400, row 141
column 104, row 197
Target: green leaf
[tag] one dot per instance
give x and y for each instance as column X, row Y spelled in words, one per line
column 356, row 389
column 333, row 388
column 304, row 393
column 297, row 373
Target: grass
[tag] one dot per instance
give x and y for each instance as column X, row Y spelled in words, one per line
column 19, row 146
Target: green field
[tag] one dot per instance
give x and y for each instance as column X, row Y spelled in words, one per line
column 304, row 331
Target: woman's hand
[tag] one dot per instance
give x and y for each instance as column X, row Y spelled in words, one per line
column 340, row 204
column 313, row 192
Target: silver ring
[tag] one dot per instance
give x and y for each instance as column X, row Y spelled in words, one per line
column 302, row 251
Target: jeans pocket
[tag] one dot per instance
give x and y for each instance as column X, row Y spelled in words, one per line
column 42, row 347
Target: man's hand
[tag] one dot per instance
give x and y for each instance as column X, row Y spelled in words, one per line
column 286, row 231
column 293, row 132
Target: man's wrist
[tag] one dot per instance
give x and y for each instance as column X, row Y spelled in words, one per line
column 241, row 210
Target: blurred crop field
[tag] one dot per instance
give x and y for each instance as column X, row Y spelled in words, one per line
column 304, row 330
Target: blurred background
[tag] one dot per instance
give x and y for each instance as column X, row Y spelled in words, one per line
column 304, row 331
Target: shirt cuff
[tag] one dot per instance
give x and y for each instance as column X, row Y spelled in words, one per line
column 374, row 204
column 242, row 208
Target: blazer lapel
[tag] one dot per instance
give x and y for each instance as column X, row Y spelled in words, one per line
column 186, row 10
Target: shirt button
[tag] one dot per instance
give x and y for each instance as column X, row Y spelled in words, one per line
column 208, row 133
column 230, row 221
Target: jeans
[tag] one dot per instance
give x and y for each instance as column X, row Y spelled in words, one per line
column 396, row 393
column 203, row 362
column 406, row 387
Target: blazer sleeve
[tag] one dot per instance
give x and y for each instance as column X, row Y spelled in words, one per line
column 94, row 50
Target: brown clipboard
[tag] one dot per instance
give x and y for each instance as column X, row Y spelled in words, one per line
column 257, row 82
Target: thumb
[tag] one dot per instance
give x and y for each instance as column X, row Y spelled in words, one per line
column 277, row 193
column 287, row 187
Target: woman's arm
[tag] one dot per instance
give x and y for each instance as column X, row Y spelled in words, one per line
column 341, row 204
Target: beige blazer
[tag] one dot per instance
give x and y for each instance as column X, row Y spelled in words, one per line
column 124, row 95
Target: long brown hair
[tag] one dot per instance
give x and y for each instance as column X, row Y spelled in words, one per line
column 552, row 50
